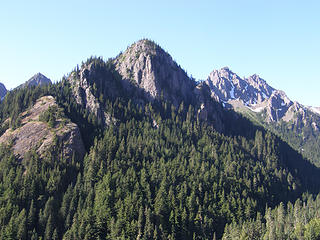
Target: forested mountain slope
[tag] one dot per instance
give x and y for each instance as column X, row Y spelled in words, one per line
column 296, row 220
column 158, row 166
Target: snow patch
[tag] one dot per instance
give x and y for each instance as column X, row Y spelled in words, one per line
column 315, row 110
column 258, row 109
column 264, row 95
column 232, row 92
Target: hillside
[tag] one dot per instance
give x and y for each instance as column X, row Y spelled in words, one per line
column 163, row 159
column 39, row 128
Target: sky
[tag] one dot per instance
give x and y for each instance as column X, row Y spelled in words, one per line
column 278, row 40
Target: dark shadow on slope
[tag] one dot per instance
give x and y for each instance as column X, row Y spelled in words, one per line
column 238, row 125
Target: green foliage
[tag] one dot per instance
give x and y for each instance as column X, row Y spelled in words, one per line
column 18, row 100
column 51, row 115
column 293, row 221
column 302, row 136
column 312, row 229
column 178, row 180
column 26, row 204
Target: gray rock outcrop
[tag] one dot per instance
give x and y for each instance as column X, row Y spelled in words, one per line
column 149, row 67
column 36, row 80
column 252, row 93
column 268, row 104
column 225, row 85
column 37, row 135
column 3, row 91
column 83, row 93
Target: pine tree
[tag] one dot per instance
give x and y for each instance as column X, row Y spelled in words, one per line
column 49, row 229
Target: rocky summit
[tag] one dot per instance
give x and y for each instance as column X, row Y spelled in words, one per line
column 37, row 80
column 144, row 73
column 83, row 83
column 254, row 93
column 152, row 69
column 225, row 85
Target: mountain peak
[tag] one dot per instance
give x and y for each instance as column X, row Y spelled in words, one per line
column 255, row 77
column 252, row 92
column 226, row 68
column 37, row 80
column 38, row 75
column 260, row 84
column 146, row 43
column 146, row 65
column 225, row 86
column 146, row 46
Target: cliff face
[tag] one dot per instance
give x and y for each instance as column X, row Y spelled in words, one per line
column 83, row 86
column 149, row 67
column 3, row 91
column 225, row 85
column 255, row 94
column 143, row 73
column 37, row 135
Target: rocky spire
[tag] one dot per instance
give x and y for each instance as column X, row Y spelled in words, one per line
column 148, row 66
column 3, row 91
column 36, row 80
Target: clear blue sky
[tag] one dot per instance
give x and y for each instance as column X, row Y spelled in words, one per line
column 279, row 40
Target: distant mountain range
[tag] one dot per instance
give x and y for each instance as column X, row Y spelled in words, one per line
column 252, row 96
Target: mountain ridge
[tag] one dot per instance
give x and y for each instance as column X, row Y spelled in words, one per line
column 148, row 66
column 171, row 162
column 270, row 107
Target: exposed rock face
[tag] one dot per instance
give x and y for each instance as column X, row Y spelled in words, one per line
column 226, row 85
column 144, row 72
column 253, row 97
column 37, row 80
column 84, row 95
column 253, row 93
column 206, row 109
column 149, row 67
column 37, row 135
column 314, row 109
column 3, row 91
